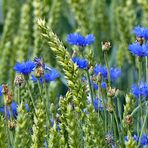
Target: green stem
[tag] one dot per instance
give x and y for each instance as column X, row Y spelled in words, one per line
column 144, row 123
column 30, row 94
column 89, row 83
column 18, row 95
column 119, row 109
column 140, row 103
column 6, row 122
column 117, row 123
column 40, row 90
column 107, row 66
column 137, row 108
column 103, row 100
column 146, row 66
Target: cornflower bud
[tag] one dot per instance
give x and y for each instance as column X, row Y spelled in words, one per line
column 5, row 89
column 129, row 120
column 11, row 124
column 106, row 46
column 8, row 98
column 19, row 80
column 39, row 71
column 111, row 92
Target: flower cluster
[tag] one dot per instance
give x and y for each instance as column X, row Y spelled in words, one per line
column 141, row 90
column 24, row 68
column 98, row 105
column 114, row 72
column 42, row 71
column 79, row 40
column 143, row 140
column 14, row 107
column 139, row 48
column 141, row 32
column 81, row 63
column 47, row 77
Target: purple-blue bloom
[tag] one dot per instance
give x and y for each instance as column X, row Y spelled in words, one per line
column 114, row 72
column 51, row 75
column 95, row 86
column 35, row 80
column 144, row 139
column 141, row 32
column 1, row 88
column 39, row 62
column 141, row 90
column 100, row 70
column 138, row 50
column 81, row 63
column 103, row 85
column 25, row 67
column 79, row 40
column 14, row 107
column 98, row 104
column 135, row 137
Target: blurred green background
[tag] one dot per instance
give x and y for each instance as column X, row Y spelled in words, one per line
column 111, row 20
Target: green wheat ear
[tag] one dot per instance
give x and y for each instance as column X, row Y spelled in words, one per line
column 24, row 33
column 3, row 134
column 93, row 129
column 71, row 71
column 39, row 127
column 22, row 132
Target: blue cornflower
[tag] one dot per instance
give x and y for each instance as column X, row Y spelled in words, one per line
column 52, row 124
column 103, row 85
column 39, row 62
column 141, row 90
column 141, row 32
column 135, row 91
column 144, row 139
column 100, row 69
column 51, row 76
column 25, row 67
column 1, row 88
column 98, row 104
column 138, row 50
column 81, row 63
column 114, row 73
column 14, row 107
column 135, row 138
column 35, row 80
column 79, row 40
column 95, row 86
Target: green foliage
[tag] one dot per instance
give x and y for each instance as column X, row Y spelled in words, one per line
column 70, row 70
column 22, row 131
column 39, row 127
column 3, row 133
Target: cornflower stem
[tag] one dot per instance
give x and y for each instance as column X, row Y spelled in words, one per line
column 117, row 123
column 119, row 109
column 143, row 125
column 107, row 66
column 137, row 108
column 89, row 83
column 47, row 103
column 18, row 94
column 146, row 67
column 103, row 100
column 40, row 89
column 6, row 122
column 32, row 99
column 140, row 103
